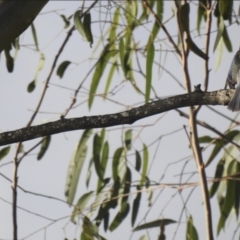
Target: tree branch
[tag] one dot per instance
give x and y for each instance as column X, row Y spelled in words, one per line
column 221, row 97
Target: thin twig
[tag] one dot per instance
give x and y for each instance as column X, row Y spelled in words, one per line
column 145, row 3
column 194, row 136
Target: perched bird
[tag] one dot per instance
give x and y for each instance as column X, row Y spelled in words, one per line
column 232, row 80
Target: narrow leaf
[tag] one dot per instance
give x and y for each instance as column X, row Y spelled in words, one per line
column 229, row 198
column 227, row 40
column 120, row 216
column 109, row 79
column 34, row 33
column 4, row 152
column 218, row 174
column 87, row 28
column 82, row 202
column 153, row 224
column 219, row 33
column 138, row 161
column 75, row 166
column 127, row 185
column 122, row 54
column 89, row 228
column 191, row 230
column 44, row 147
column 237, row 191
column 201, row 13
column 149, row 64
column 116, row 159
column 225, row 9
column 78, row 23
column 136, row 204
column 100, row 67
column 96, row 155
column 184, row 17
column 145, row 164
column 220, row 143
column 66, row 21
column 194, row 48
column 128, row 139
column 113, row 27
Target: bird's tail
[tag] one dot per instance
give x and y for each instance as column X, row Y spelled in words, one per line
column 234, row 104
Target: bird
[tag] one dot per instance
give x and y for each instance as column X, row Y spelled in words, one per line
column 232, row 80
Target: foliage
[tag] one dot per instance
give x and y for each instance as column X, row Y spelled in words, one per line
column 118, row 169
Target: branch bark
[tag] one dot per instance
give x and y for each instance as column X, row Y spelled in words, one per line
column 15, row 18
column 221, row 97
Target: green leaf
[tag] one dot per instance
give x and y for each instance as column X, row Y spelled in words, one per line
column 219, row 33
column 75, row 166
column 4, row 152
column 205, row 139
column 87, row 28
column 109, row 79
column 219, row 54
column 149, row 64
column 237, row 191
column 34, row 33
column 105, row 154
column 89, row 172
column 127, row 185
column 82, row 202
column 218, row 174
column 44, row 147
column 121, row 215
column 202, row 13
column 100, row 67
column 136, row 204
column 106, row 221
column 96, row 155
column 128, row 139
column 78, row 23
column 225, row 9
column 194, row 48
column 230, row 196
column 220, row 143
column 66, row 21
column 85, row 236
column 145, row 165
column 62, row 68
column 138, row 161
column 191, row 230
column 226, row 39
column 115, row 193
column 122, row 54
column 31, row 86
column 116, row 160
column 89, row 228
column 113, row 27
column 153, row 224
column 144, row 237
column 156, row 26
column 184, row 17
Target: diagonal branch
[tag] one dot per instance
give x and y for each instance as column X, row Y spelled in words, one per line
column 221, row 97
